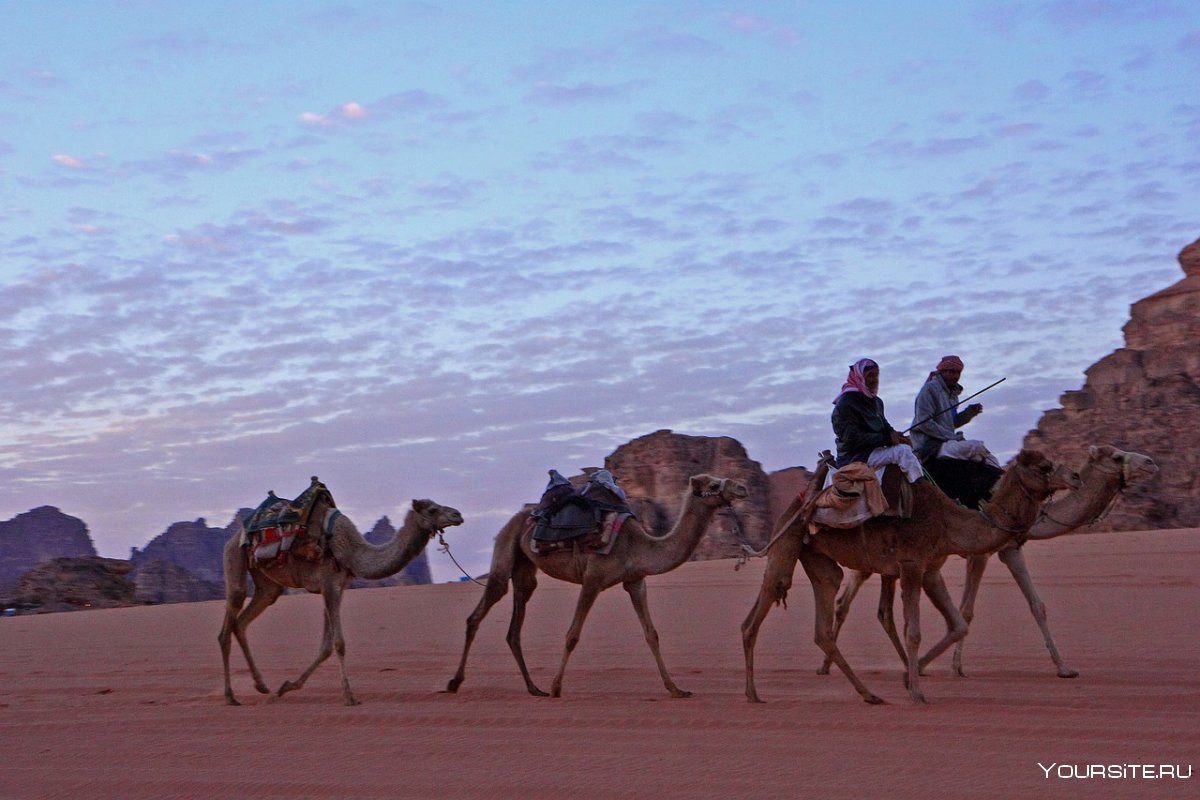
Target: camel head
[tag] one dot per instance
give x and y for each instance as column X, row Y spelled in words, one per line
column 436, row 517
column 717, row 492
column 1041, row 476
column 1133, row 467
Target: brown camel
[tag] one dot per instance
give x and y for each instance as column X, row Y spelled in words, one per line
column 912, row 549
column 1105, row 474
column 636, row 554
column 347, row 556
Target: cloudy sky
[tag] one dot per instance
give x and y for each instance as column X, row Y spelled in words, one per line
column 433, row 249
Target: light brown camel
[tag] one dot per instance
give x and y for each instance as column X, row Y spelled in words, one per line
column 912, row 549
column 348, row 556
column 636, row 554
column 1105, row 474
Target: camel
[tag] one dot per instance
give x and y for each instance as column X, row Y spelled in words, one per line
column 347, row 556
column 912, row 549
column 1105, row 474
column 636, row 554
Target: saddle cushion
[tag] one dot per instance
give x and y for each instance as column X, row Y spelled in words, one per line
column 278, row 527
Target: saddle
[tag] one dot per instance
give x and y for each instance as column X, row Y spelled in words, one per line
column 856, row 495
column 968, row 482
column 588, row 513
column 278, row 528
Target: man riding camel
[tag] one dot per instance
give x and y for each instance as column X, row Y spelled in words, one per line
column 863, row 432
column 936, row 418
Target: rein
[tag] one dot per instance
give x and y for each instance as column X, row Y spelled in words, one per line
column 1122, row 483
column 444, row 547
column 1019, row 534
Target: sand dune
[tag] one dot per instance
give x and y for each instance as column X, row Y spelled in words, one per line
column 127, row 703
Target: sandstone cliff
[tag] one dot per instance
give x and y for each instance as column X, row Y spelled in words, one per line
column 654, row 471
column 28, row 539
column 71, row 584
column 192, row 546
column 1143, row 397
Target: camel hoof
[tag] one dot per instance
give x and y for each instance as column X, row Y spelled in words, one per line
column 286, row 687
column 755, row 699
column 873, row 700
column 262, row 688
column 1068, row 673
column 918, row 698
column 350, row 701
column 536, row 692
column 452, row 686
column 230, row 700
column 680, row 693
column 823, row 669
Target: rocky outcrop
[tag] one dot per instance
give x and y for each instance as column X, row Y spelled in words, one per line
column 1144, row 397
column 44, row 533
column 71, row 584
column 158, row 581
column 654, row 471
column 417, row 571
column 192, row 546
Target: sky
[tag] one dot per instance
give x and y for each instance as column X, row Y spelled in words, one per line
column 426, row 249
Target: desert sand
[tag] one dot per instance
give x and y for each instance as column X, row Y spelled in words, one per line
column 127, row 703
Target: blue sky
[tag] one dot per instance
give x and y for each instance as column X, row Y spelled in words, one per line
column 434, row 249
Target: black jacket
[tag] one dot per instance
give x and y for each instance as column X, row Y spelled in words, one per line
column 860, row 427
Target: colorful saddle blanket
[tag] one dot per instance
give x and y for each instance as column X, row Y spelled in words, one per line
column 588, row 513
column 279, row 527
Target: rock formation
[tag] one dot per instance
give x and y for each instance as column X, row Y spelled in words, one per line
column 1144, row 397
column 654, row 471
column 71, row 584
column 157, row 581
column 28, row 539
column 192, row 546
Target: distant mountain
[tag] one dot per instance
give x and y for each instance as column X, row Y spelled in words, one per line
column 75, row 583
column 36, row 536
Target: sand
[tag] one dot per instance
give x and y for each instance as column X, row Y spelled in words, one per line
column 128, row 703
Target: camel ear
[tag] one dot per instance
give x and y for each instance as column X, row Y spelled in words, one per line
column 1093, row 453
column 700, row 482
column 423, row 506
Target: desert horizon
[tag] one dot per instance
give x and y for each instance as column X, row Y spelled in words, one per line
column 128, row 702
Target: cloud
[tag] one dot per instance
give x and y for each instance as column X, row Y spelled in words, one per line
column 559, row 95
column 1031, row 91
column 69, row 161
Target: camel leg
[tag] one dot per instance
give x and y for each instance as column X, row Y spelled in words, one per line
column 637, row 594
column 332, row 640
column 826, row 576
column 886, row 614
column 524, row 579
column 849, row 591
column 588, row 592
column 911, row 580
column 236, row 623
column 976, row 565
column 1014, row 559
column 777, row 579
column 506, row 557
column 956, row 626
column 497, row 587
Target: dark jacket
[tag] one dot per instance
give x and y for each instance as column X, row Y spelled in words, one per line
column 860, row 427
